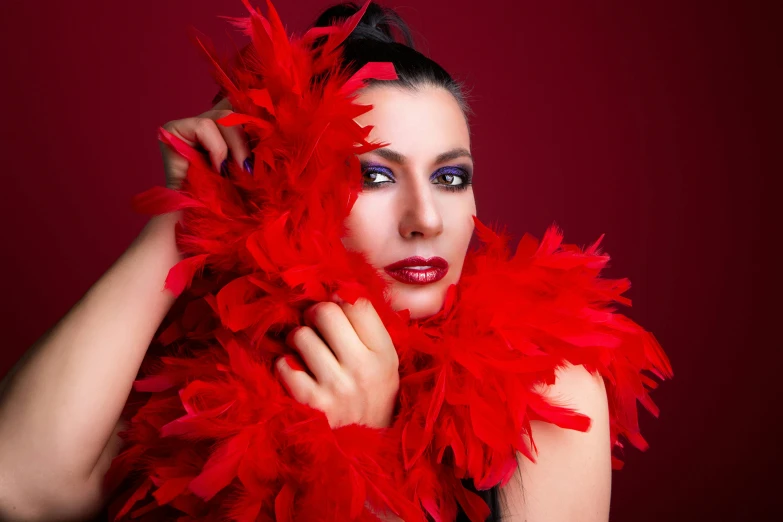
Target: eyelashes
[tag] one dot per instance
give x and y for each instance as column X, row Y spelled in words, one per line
column 449, row 175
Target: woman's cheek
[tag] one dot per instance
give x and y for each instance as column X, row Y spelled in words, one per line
column 367, row 226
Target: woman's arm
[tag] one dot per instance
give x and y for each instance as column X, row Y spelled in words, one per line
column 572, row 478
column 60, row 405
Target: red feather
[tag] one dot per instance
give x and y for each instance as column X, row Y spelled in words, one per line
column 212, row 433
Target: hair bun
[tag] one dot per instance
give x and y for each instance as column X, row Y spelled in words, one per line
column 377, row 24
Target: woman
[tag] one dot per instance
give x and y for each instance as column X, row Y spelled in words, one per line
column 60, row 410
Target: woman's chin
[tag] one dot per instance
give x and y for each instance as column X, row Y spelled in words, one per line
column 421, row 301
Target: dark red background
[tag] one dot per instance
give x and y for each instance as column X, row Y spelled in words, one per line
column 648, row 121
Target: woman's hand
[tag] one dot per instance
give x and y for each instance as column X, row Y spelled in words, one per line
column 355, row 373
column 217, row 141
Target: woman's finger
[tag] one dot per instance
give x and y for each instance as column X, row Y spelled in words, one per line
column 223, row 104
column 203, row 132
column 300, row 385
column 368, row 326
column 315, row 353
column 338, row 332
column 235, row 136
column 237, row 141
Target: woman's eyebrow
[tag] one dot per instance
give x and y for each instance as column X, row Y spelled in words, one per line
column 400, row 159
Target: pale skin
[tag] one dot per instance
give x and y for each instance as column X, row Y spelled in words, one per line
column 351, row 364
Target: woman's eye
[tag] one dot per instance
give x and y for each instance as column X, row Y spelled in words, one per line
column 450, row 178
column 453, row 178
column 374, row 176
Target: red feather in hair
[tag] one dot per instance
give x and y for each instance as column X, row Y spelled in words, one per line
column 212, row 433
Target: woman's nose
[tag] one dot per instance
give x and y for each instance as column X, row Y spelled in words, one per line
column 420, row 213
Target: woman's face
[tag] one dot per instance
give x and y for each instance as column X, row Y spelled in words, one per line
column 417, row 200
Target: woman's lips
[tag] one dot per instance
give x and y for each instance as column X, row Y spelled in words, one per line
column 418, row 270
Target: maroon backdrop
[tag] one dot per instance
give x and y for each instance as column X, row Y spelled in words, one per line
column 645, row 122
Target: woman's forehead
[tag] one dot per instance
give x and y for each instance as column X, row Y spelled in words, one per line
column 417, row 123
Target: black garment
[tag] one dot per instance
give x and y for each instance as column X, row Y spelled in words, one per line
column 490, row 497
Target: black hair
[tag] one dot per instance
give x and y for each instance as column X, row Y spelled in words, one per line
column 373, row 40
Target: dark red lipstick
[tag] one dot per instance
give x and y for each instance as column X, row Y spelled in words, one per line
column 418, row 270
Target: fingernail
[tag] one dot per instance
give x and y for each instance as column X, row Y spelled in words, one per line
column 292, row 363
column 337, row 299
column 248, row 164
column 224, row 168
column 290, row 334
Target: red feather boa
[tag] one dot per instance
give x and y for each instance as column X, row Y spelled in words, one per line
column 214, row 436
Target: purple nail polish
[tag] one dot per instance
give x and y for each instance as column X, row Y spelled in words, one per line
column 248, row 164
column 224, row 168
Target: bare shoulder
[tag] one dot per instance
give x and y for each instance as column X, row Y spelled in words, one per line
column 571, row 479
